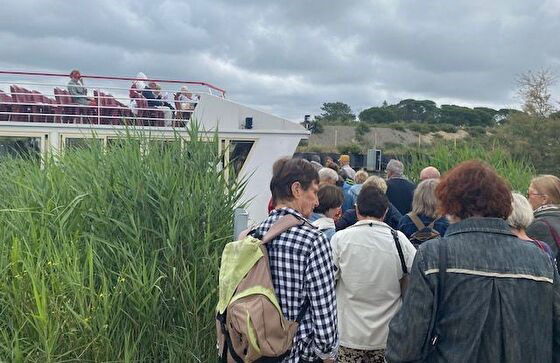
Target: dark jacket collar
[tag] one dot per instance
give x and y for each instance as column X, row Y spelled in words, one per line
column 479, row 224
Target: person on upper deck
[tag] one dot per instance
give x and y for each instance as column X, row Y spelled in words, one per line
column 187, row 99
column 77, row 90
column 478, row 294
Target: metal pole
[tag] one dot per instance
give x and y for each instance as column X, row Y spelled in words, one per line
column 240, row 221
column 335, row 137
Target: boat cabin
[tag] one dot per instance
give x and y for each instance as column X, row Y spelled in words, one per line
column 41, row 113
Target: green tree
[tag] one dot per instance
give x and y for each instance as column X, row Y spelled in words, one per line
column 335, row 112
column 416, row 110
column 377, row 115
column 536, row 138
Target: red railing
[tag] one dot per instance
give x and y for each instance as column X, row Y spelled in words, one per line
column 24, row 105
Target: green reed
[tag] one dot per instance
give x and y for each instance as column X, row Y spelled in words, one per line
column 113, row 254
column 446, row 155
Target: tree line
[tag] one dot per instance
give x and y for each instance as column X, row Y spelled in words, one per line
column 533, row 89
column 411, row 110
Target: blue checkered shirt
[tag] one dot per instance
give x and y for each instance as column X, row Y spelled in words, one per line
column 302, row 267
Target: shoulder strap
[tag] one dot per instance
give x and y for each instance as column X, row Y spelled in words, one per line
column 399, row 250
column 555, row 235
column 442, row 277
column 416, row 221
column 282, row 225
column 431, row 225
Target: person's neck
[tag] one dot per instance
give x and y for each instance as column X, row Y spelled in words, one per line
column 521, row 234
column 285, row 204
column 371, row 219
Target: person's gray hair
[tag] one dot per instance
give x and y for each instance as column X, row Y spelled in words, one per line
column 395, row 167
column 376, row 181
column 424, row 201
column 328, row 174
column 522, row 212
column 316, row 158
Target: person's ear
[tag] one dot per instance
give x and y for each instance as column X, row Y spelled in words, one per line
column 296, row 189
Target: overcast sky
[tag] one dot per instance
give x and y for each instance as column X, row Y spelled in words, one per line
column 288, row 57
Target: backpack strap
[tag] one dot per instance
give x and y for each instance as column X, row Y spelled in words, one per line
column 245, row 233
column 416, row 220
column 431, row 225
column 555, row 235
column 399, row 250
column 282, row 225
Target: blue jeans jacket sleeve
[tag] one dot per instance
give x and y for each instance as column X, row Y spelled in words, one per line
column 409, row 331
column 556, row 322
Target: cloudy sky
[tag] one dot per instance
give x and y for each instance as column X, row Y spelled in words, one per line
column 288, row 57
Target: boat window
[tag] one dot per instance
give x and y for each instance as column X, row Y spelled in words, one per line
column 18, row 146
column 238, row 153
column 119, row 143
column 161, row 146
column 82, row 142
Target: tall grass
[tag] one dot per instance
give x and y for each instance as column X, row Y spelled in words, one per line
column 445, row 156
column 112, row 255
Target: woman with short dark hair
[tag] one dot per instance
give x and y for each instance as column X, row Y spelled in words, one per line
column 328, row 210
column 467, row 299
column 300, row 261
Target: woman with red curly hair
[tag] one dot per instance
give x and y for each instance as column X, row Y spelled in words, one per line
column 478, row 294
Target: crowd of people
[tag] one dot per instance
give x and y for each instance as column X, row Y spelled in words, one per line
column 151, row 91
column 455, row 269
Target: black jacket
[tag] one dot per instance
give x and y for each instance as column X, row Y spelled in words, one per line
column 349, row 217
column 540, row 230
column 400, row 192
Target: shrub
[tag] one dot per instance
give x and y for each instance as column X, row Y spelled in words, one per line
column 350, row 149
column 475, row 131
column 398, row 127
column 361, row 129
column 420, row 128
column 113, row 255
column 448, row 128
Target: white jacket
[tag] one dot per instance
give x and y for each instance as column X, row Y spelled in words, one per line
column 368, row 292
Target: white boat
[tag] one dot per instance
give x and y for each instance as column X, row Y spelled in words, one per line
column 37, row 114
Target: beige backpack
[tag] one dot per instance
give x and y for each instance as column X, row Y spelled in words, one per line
column 250, row 324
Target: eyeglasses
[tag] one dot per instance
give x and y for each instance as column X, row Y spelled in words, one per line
column 539, row 194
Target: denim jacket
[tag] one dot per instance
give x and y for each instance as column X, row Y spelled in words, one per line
column 500, row 302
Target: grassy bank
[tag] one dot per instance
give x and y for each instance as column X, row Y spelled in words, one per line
column 446, row 155
column 113, row 255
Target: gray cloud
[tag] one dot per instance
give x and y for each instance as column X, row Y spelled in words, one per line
column 290, row 57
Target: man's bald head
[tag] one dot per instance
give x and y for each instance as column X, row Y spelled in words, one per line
column 429, row 173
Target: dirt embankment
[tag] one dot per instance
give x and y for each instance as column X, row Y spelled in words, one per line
column 334, row 136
